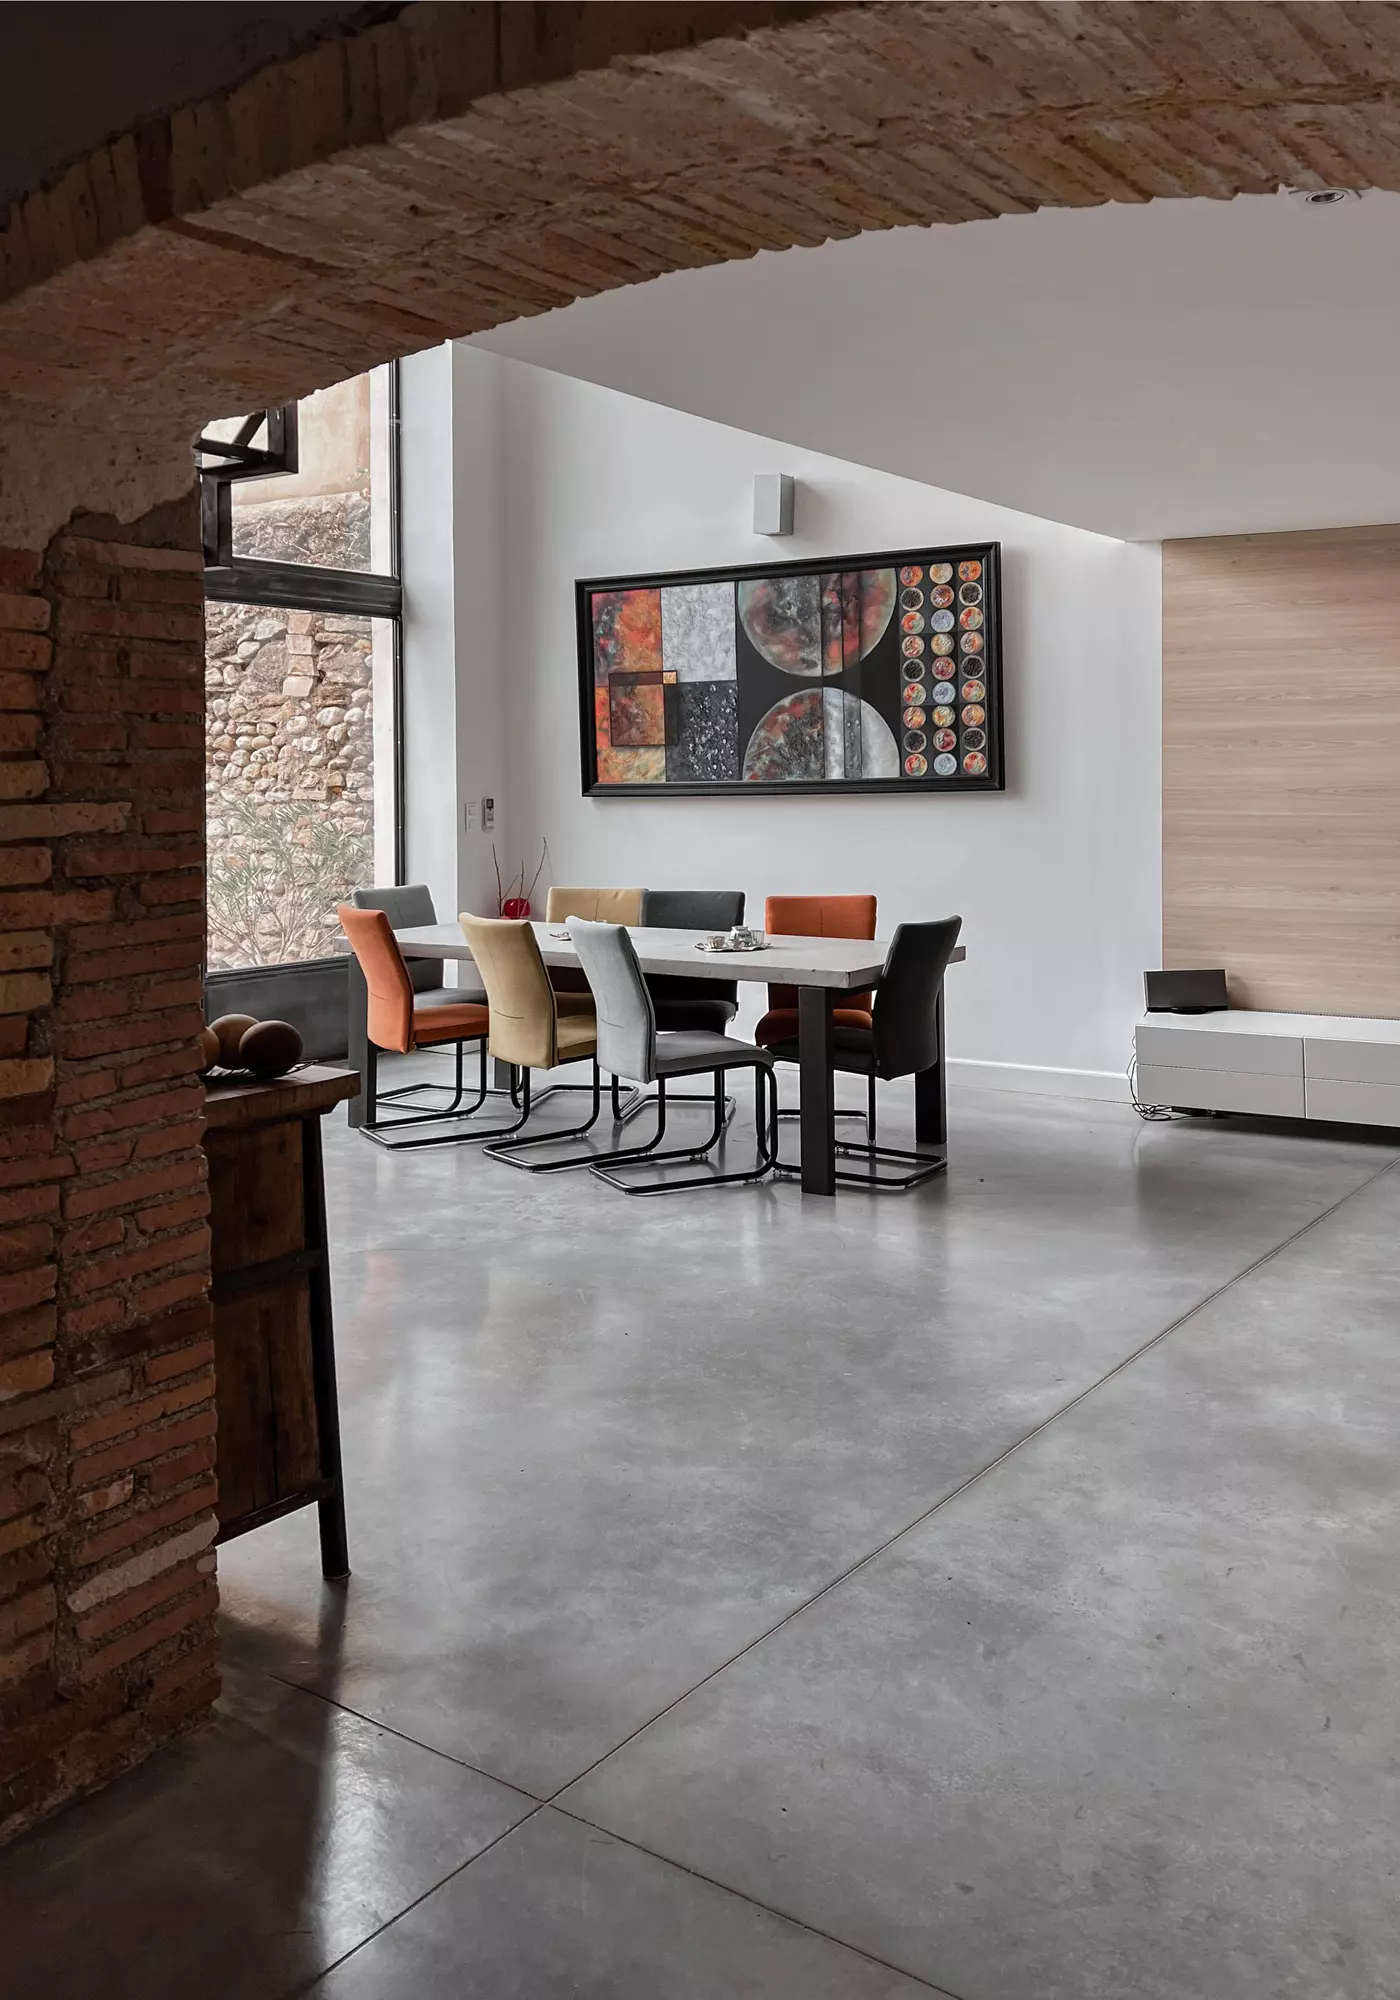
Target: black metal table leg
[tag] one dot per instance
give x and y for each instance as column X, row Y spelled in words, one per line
column 931, row 1093
column 357, row 1039
column 816, row 1032
column 335, row 1552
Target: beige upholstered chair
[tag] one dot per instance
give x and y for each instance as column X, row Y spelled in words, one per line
column 595, row 906
column 528, row 1028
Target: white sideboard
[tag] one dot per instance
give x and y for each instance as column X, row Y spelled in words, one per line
column 1275, row 1065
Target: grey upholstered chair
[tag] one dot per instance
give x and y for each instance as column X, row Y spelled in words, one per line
column 680, row 1001
column 407, row 906
column 630, row 1045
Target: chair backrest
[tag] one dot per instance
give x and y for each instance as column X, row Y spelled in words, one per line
column 906, row 1000
column 819, row 916
column 626, row 1018
column 518, row 992
column 406, row 906
column 597, row 906
column 692, row 910
column 371, row 935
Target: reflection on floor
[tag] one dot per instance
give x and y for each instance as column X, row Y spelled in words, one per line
column 987, row 1593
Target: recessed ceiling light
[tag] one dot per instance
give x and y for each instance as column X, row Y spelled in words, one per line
column 1321, row 197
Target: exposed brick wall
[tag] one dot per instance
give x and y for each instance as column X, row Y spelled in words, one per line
column 107, row 1588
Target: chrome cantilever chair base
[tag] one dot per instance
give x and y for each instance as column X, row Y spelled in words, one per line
column 504, row 1145
column 605, row 1169
column 378, row 1129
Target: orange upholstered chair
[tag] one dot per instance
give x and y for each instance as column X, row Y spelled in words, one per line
column 397, row 1026
column 814, row 916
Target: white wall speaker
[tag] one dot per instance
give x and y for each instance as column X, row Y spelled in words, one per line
column 773, row 503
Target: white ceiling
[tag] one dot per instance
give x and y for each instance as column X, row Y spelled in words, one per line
column 1183, row 368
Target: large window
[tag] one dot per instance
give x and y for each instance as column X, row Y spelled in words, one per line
column 302, row 668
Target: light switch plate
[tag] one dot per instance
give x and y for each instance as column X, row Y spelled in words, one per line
column 471, row 817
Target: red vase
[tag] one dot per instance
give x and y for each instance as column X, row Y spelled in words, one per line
column 516, row 907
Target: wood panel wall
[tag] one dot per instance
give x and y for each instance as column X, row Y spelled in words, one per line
column 1281, row 766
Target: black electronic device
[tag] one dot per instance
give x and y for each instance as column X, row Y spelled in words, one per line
column 1185, row 992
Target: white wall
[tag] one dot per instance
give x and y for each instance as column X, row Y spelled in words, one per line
column 518, row 481
column 1057, row 879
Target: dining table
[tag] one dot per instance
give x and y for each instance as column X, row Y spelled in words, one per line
column 822, row 969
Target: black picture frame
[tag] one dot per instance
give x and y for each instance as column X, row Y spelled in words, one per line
column 991, row 671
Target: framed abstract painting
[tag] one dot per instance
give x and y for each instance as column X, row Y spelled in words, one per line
column 874, row 673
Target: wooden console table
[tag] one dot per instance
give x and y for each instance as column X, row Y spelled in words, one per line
column 274, row 1352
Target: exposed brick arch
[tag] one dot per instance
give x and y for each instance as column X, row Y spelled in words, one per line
column 459, row 166
column 447, row 170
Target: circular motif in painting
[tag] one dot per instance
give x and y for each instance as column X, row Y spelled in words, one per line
column 942, row 718
column 941, row 642
column 940, row 572
column 916, row 766
column 975, row 764
column 974, row 739
column 971, row 618
column 941, row 595
column 945, row 739
column 911, row 573
column 914, row 718
column 945, row 765
column 944, row 691
column 971, row 642
column 914, row 739
column 911, row 600
column 911, row 647
column 974, row 715
column 942, row 621
column 912, row 621
column 971, row 593
column 973, row 691
column 969, row 572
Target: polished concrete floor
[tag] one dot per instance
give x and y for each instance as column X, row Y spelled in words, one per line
column 987, row 1593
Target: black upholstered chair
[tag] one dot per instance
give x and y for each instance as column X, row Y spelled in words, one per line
column 903, row 1039
column 683, row 1003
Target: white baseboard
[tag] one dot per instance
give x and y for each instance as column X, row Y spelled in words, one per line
column 1106, row 1085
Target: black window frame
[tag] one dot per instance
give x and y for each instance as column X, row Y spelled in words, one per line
column 239, row 579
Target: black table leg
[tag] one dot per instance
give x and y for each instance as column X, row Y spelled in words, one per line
column 931, row 1094
column 357, row 1038
column 335, row 1554
column 816, row 1048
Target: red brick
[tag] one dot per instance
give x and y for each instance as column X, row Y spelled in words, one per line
column 91, row 1318
column 95, row 1466
column 25, row 864
column 119, row 1611
column 27, row 1288
column 170, row 819
column 130, row 1416
column 169, row 1139
column 25, row 1245
column 23, row 1615
column 172, row 1214
column 142, row 930
column 14, row 1034
column 26, row 1374
column 159, row 1297
column 20, row 1332
column 180, row 1099
column 95, row 736
column 23, row 1490
column 123, row 621
column 140, row 858
column 19, row 732
column 81, row 968
column 18, row 1662
column 184, row 1061
column 173, row 1472
column 25, row 652
column 130, row 697
column 130, row 1190
column 179, row 1361
column 191, row 1610
column 171, row 735
column 83, row 906
column 20, row 569
column 24, row 612
column 145, row 1031
column 179, row 888
column 155, row 1255
column 150, row 587
column 102, row 1499
column 93, row 1236
column 19, row 1204
column 189, row 1667
column 100, row 1156
column 143, row 1524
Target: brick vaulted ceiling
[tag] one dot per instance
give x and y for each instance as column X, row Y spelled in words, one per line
column 461, row 165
